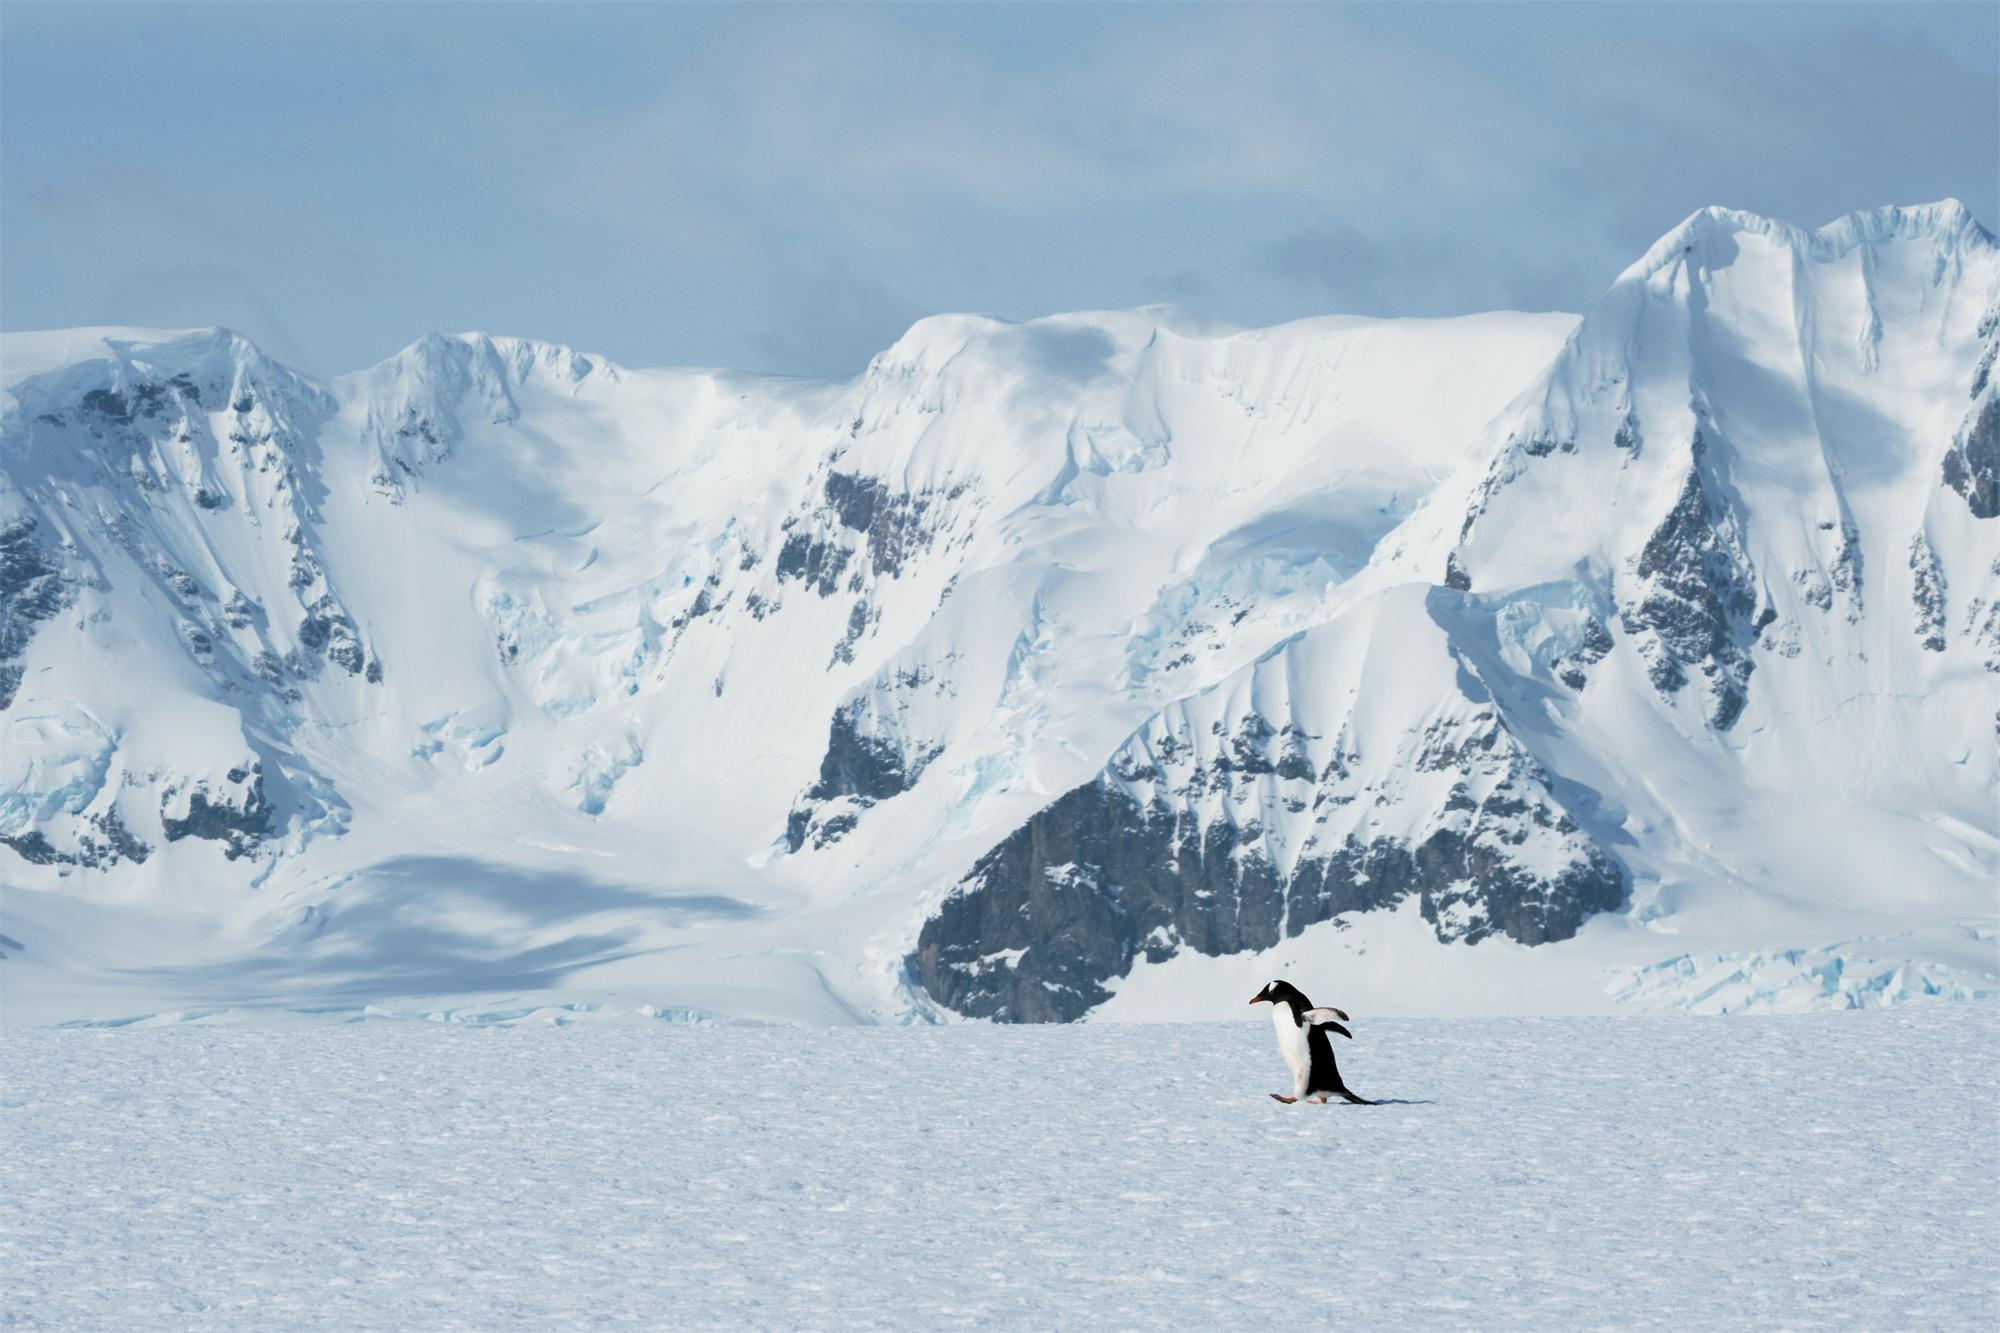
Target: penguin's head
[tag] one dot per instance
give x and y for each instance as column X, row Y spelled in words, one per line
column 1277, row 992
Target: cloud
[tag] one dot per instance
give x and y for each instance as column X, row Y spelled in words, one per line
column 1354, row 273
column 826, row 320
column 793, row 186
column 1189, row 287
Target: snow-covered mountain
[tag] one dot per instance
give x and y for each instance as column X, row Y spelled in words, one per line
column 1089, row 665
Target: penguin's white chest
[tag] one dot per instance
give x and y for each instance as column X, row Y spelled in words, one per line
column 1291, row 1040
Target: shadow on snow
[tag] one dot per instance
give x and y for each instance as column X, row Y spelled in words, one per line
column 443, row 925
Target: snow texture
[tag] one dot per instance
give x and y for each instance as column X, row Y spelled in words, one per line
column 1826, row 1170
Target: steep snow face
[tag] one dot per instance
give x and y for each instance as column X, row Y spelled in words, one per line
column 1038, row 663
column 167, row 603
column 1706, row 627
column 1760, row 456
column 1769, row 438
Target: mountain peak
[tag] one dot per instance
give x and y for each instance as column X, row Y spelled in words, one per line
column 25, row 355
column 458, row 354
column 1712, row 233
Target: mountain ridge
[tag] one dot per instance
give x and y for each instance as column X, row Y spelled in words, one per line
column 817, row 655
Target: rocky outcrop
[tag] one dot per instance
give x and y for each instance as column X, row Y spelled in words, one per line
column 101, row 843
column 31, row 591
column 864, row 763
column 1972, row 464
column 1228, row 831
column 234, row 813
column 1927, row 593
column 1696, row 607
column 861, row 526
column 1071, row 899
column 328, row 631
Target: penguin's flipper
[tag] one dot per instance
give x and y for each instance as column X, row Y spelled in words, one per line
column 1323, row 1018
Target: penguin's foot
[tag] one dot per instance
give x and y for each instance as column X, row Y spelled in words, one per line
column 1281, row 1097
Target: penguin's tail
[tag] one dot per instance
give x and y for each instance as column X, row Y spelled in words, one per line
column 1358, row 1101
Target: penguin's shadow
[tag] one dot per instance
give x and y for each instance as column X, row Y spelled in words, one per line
column 1403, row 1101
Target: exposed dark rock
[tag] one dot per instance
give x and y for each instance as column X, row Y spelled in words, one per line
column 1846, row 570
column 1989, row 329
column 104, row 842
column 1294, row 764
column 1073, row 898
column 1972, row 465
column 34, row 848
column 860, row 764
column 108, row 404
column 1628, row 438
column 118, row 842
column 706, row 602
column 1140, row 862
column 1541, row 444
column 239, row 819
column 817, row 563
column 857, row 517
column 1928, row 593
column 1982, row 622
column 1573, row 667
column 836, row 828
column 31, row 591
column 1697, row 602
column 330, row 631
column 856, row 500
column 859, row 768
column 858, row 621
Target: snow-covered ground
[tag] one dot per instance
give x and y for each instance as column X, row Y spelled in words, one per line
column 1824, row 1170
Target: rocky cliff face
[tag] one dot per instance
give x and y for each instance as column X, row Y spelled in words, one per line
column 1287, row 796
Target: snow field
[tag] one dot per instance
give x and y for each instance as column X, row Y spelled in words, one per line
column 1826, row 1170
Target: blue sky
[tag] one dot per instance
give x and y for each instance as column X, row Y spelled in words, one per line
column 786, row 189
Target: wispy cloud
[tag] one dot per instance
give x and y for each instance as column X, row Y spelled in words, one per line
column 786, row 186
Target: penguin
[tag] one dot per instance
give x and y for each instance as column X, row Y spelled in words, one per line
column 1302, row 1041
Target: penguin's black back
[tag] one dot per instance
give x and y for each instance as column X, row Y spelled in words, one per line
column 1324, row 1074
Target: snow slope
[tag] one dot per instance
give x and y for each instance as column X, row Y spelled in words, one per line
column 1037, row 665
column 1818, row 1171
